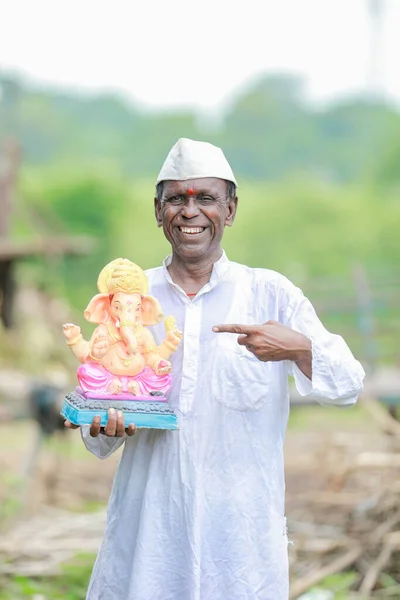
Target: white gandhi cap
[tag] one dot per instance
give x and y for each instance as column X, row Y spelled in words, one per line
column 188, row 159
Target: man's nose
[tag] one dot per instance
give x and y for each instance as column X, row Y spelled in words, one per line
column 190, row 209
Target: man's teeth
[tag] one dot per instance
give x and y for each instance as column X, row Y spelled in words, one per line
column 191, row 229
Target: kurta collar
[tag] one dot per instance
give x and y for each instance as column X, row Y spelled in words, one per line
column 219, row 271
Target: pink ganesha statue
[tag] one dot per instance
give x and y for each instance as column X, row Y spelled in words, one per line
column 122, row 356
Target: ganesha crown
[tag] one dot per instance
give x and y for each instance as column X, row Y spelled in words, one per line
column 126, row 282
column 122, row 275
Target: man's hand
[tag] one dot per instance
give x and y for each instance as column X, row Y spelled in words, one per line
column 115, row 426
column 273, row 342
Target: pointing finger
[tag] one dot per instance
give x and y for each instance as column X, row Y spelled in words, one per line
column 243, row 329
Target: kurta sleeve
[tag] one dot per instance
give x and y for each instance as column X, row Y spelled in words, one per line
column 337, row 377
column 101, row 446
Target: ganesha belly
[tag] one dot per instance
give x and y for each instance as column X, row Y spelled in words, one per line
column 121, row 365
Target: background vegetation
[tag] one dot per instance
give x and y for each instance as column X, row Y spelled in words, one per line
column 268, row 132
column 319, row 192
column 331, row 173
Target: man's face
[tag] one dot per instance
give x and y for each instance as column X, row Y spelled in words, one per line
column 194, row 214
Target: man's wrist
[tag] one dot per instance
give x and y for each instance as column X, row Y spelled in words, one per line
column 304, row 352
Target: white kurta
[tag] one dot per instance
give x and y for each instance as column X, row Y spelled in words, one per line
column 198, row 513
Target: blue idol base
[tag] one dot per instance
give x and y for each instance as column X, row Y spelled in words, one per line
column 150, row 412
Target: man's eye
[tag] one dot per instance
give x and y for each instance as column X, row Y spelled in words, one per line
column 206, row 199
column 175, row 200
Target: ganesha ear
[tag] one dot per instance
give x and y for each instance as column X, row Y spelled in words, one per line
column 151, row 311
column 98, row 309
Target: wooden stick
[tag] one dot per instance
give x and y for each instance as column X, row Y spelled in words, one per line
column 380, row 415
column 305, row 583
column 384, row 528
column 345, row 499
column 375, row 569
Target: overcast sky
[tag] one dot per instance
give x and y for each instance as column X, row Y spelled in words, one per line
column 166, row 53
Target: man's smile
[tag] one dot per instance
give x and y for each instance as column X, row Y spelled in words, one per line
column 192, row 230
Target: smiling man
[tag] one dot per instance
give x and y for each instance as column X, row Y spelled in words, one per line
column 199, row 513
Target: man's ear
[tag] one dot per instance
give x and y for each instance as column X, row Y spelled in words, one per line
column 157, row 212
column 232, row 206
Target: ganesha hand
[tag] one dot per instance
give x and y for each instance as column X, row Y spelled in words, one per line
column 72, row 333
column 163, row 367
column 99, row 347
column 174, row 338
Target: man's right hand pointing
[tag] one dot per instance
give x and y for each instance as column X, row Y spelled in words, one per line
column 271, row 341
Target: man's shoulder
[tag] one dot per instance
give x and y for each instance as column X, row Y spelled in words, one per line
column 261, row 275
column 268, row 287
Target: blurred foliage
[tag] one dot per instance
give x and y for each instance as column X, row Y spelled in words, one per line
column 303, row 228
column 339, row 584
column 269, row 131
column 71, row 584
column 319, row 189
column 70, row 202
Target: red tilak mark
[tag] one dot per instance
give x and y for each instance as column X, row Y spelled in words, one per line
column 190, row 192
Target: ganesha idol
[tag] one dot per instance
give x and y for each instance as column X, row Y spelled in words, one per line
column 122, row 366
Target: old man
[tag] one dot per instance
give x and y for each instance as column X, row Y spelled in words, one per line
column 199, row 513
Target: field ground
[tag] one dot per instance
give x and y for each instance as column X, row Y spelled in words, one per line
column 53, row 505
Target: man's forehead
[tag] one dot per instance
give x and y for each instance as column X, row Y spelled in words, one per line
column 191, row 186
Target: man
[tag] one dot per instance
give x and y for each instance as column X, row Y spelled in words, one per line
column 198, row 513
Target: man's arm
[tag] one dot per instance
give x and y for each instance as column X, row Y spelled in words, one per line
column 337, row 377
column 321, row 363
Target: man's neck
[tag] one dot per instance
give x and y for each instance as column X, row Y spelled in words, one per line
column 192, row 276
